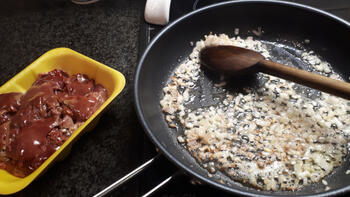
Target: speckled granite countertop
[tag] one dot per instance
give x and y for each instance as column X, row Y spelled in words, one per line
column 106, row 31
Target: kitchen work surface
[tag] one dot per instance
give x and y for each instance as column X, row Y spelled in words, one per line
column 107, row 32
column 114, row 33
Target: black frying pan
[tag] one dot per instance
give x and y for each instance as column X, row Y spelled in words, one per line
column 282, row 22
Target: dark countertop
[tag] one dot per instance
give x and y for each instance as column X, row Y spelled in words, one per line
column 107, row 31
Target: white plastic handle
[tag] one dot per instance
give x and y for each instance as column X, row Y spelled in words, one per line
column 157, row 11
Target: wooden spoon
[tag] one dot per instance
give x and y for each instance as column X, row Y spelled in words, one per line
column 231, row 60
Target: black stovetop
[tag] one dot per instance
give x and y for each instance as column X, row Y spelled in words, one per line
column 185, row 185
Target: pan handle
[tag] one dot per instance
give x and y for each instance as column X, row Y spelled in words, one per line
column 167, row 180
column 127, row 177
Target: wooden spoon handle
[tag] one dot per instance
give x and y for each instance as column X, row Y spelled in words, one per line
column 325, row 84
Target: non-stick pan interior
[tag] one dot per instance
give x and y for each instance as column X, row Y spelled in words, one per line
column 284, row 23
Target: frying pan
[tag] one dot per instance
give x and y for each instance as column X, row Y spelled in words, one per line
column 283, row 23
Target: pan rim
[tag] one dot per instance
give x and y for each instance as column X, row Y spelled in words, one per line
column 163, row 149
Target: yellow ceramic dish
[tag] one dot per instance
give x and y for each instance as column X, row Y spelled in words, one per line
column 72, row 63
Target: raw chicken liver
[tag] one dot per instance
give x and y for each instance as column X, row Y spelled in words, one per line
column 36, row 124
